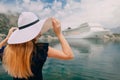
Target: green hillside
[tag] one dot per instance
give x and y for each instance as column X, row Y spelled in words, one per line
column 7, row 21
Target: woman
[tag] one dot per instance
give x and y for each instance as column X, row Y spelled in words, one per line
column 23, row 57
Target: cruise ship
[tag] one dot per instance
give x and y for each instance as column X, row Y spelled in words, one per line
column 86, row 30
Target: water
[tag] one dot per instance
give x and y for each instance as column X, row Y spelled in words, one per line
column 94, row 60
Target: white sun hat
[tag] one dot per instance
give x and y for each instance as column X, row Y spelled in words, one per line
column 29, row 26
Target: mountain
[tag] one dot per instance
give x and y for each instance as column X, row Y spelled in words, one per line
column 116, row 30
column 7, row 21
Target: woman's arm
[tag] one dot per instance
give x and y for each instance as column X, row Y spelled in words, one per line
column 66, row 52
column 4, row 42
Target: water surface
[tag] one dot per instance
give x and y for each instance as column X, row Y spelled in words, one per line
column 94, row 60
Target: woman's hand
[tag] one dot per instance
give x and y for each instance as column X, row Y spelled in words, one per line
column 11, row 30
column 56, row 26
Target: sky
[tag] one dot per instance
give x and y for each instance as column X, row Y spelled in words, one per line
column 71, row 13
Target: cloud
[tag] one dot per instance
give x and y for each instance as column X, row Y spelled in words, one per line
column 3, row 8
column 101, row 11
column 32, row 6
column 26, row 1
column 74, row 12
column 7, row 8
column 105, row 12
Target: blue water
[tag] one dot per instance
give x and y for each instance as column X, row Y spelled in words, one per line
column 94, row 60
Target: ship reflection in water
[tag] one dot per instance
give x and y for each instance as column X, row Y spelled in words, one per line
column 94, row 60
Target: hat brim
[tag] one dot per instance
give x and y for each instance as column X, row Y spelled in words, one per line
column 47, row 25
column 27, row 34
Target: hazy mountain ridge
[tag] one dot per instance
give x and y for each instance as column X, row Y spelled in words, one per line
column 116, row 30
column 7, row 21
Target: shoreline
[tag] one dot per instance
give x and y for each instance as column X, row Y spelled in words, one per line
column 114, row 37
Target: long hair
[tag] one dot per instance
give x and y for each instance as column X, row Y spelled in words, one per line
column 17, row 59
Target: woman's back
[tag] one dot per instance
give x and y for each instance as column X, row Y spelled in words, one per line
column 39, row 57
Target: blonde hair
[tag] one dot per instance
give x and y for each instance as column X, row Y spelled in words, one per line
column 17, row 59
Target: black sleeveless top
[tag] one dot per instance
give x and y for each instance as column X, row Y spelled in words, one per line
column 39, row 57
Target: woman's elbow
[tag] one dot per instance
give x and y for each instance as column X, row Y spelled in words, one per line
column 70, row 57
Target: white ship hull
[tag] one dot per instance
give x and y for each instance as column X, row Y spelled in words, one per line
column 90, row 34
